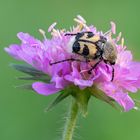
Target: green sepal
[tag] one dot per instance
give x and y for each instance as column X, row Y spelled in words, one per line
column 27, row 69
column 62, row 95
column 25, row 86
column 137, row 104
column 102, row 96
column 34, row 78
column 34, row 73
column 82, row 98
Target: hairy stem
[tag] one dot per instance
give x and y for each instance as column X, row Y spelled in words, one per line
column 71, row 121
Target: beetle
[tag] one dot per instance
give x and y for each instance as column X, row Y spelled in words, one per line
column 92, row 47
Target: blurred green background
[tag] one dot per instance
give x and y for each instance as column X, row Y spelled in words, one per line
column 22, row 115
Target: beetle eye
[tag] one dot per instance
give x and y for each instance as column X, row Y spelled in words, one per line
column 90, row 34
column 76, row 47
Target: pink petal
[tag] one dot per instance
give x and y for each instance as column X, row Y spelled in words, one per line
column 80, row 82
column 13, row 51
column 26, row 38
column 60, row 82
column 45, row 89
column 118, row 95
column 124, row 100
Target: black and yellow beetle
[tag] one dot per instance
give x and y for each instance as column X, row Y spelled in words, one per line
column 92, row 47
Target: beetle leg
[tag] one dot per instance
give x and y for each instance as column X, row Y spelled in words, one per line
column 112, row 74
column 93, row 67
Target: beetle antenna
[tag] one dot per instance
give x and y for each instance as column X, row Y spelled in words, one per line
column 69, row 34
column 70, row 59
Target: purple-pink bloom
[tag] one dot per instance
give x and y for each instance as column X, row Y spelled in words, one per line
column 39, row 54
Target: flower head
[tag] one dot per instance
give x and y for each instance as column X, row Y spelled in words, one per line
column 40, row 55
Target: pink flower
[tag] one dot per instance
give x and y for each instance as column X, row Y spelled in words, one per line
column 40, row 54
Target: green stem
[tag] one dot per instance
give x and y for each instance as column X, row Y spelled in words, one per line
column 71, row 122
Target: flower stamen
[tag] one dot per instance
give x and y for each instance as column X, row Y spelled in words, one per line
column 122, row 42
column 42, row 32
column 52, row 27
